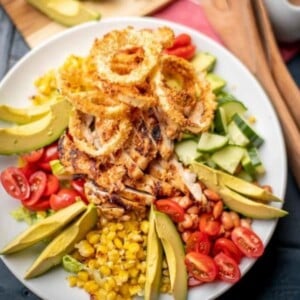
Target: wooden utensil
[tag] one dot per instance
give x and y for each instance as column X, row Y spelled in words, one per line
column 234, row 21
column 284, row 81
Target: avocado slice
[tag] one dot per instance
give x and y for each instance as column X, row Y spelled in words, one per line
column 23, row 115
column 203, row 62
column 248, row 207
column 153, row 262
column 64, row 243
column 44, row 228
column 215, row 179
column 37, row 134
column 174, row 252
column 65, row 12
column 216, row 82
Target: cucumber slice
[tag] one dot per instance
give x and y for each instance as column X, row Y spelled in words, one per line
column 245, row 176
column 210, row 142
column 248, row 166
column 232, row 107
column 220, row 122
column 229, row 158
column 189, row 136
column 187, row 151
column 256, row 161
column 236, row 136
column 254, row 138
column 216, row 82
column 203, row 62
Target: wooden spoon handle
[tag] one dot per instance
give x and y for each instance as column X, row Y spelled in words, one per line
column 285, row 83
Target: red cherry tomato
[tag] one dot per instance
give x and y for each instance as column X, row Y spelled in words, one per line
column 41, row 205
column 33, row 156
column 202, row 267
column 50, row 153
column 228, row 269
column 247, row 241
column 186, row 52
column 227, row 247
column 29, row 169
column 171, row 208
column 63, row 198
column 37, row 183
column 198, row 242
column 78, row 186
column 15, row 183
column 209, row 225
column 52, row 185
column 181, row 40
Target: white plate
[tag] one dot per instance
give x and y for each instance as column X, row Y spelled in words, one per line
column 18, row 86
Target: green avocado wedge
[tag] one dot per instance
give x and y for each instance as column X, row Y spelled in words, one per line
column 175, row 255
column 65, row 12
column 248, row 207
column 213, row 179
column 45, row 228
column 37, row 134
column 63, row 243
column 239, row 195
column 153, row 261
column 23, row 115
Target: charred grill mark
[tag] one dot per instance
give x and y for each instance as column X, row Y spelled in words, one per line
column 156, row 134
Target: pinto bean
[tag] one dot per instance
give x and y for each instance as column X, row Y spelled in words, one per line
column 217, row 209
column 211, row 195
column 226, row 220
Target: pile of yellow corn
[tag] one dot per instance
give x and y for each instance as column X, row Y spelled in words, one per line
column 115, row 257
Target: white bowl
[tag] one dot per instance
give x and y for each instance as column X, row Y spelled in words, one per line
column 285, row 18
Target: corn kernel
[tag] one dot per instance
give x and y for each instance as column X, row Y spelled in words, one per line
column 118, row 243
column 145, row 226
column 109, row 284
column 72, row 281
column 122, row 234
column 83, row 275
column 141, row 279
column 92, row 263
column 133, row 272
column 85, row 248
column 91, row 286
column 105, row 270
column 111, row 235
column 93, row 237
column 111, row 295
column 134, row 290
column 80, row 283
column 124, row 290
column 102, row 248
column 252, row 119
column 122, row 277
column 120, row 226
column 133, row 247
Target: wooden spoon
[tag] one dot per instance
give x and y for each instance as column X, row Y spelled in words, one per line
column 285, row 83
column 234, row 21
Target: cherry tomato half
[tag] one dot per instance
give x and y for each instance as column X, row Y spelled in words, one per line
column 52, row 185
column 15, row 183
column 247, row 241
column 28, row 169
column 202, row 267
column 181, row 40
column 50, row 153
column 41, row 205
column 63, row 198
column 33, row 156
column 228, row 269
column 227, row 247
column 186, row 52
column 209, row 225
column 171, row 208
column 37, row 183
column 78, row 186
column 198, row 242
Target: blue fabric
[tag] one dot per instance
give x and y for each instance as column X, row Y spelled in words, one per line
column 275, row 276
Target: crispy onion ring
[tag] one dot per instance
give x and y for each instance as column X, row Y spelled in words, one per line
column 202, row 115
column 140, row 96
column 96, row 136
column 76, row 83
column 106, row 48
column 176, row 102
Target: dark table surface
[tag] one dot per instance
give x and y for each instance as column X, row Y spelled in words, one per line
column 275, row 276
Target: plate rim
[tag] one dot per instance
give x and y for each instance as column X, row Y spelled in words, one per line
column 160, row 22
